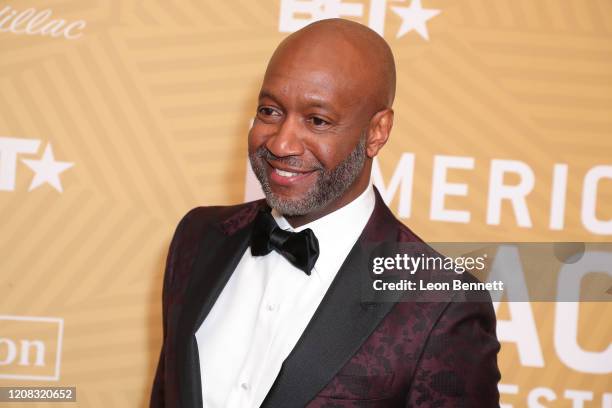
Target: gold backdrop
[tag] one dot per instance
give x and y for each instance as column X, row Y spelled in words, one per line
column 117, row 117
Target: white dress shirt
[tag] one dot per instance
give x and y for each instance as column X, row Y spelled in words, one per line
column 265, row 306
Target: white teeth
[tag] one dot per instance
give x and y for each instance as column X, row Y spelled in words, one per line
column 285, row 173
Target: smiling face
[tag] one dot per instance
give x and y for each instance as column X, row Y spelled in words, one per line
column 304, row 143
column 317, row 125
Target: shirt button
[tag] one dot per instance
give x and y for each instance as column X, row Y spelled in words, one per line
column 270, row 307
column 244, row 386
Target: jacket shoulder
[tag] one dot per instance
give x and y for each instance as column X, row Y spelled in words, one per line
column 196, row 223
column 384, row 225
column 226, row 216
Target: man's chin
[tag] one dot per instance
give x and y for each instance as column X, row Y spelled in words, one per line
column 289, row 206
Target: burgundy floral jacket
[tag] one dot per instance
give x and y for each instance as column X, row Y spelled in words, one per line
column 354, row 353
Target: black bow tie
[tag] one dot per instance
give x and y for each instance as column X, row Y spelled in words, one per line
column 301, row 249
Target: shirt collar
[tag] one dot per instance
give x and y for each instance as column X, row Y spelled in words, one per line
column 336, row 232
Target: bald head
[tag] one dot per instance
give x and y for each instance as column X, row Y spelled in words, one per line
column 354, row 52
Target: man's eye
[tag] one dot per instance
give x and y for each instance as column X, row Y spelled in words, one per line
column 267, row 111
column 318, row 121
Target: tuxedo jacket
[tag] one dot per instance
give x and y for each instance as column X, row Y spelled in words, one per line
column 353, row 353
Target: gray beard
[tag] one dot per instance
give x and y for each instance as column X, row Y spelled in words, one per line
column 330, row 184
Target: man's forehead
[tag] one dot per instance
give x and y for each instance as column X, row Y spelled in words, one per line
column 317, row 75
column 317, row 82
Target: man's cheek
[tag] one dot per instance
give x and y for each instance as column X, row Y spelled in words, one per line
column 324, row 157
column 256, row 138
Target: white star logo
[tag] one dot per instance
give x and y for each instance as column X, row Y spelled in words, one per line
column 414, row 18
column 47, row 170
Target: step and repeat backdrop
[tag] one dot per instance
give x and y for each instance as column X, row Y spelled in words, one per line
column 117, row 117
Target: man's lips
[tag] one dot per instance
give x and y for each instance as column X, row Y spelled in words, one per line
column 286, row 176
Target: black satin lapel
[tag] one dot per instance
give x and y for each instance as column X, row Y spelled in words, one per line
column 218, row 256
column 338, row 328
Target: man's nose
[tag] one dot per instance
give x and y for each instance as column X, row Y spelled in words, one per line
column 286, row 141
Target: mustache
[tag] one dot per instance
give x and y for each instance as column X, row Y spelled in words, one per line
column 291, row 161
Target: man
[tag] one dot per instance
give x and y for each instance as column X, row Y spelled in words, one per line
column 263, row 302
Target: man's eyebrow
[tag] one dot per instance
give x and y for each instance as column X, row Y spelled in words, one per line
column 312, row 100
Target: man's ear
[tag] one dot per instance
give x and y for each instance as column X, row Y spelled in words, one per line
column 379, row 130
